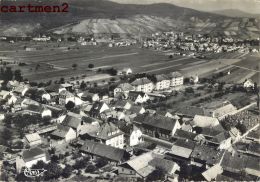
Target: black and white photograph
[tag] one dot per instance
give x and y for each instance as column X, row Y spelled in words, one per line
column 129, row 90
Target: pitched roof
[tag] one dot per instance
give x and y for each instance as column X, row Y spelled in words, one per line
column 205, row 121
column 211, row 173
column 182, row 148
column 157, row 121
column 107, row 130
column 191, row 111
column 106, row 151
column 207, row 154
column 161, row 77
column 33, row 137
column 175, row 74
column 135, row 94
column 32, row 154
column 61, row 131
column 125, row 87
column 184, row 134
column 222, row 111
column 71, row 121
column 141, row 81
column 134, row 109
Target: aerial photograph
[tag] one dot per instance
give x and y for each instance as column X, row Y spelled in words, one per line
column 129, row 90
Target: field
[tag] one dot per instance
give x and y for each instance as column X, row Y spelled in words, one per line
column 53, row 61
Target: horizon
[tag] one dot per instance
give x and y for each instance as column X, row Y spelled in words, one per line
column 247, row 6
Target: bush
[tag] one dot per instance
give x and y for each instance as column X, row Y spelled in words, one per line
column 90, row 168
column 67, row 171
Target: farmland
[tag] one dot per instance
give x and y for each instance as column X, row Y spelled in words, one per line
column 54, row 61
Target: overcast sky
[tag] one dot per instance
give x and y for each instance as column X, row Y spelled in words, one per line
column 250, row 6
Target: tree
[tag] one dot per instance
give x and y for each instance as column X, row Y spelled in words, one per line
column 91, row 66
column 53, row 171
column 90, row 168
column 6, row 137
column 74, row 66
column 100, row 162
column 67, row 171
column 70, row 105
column 18, row 75
column 157, row 175
column 62, row 80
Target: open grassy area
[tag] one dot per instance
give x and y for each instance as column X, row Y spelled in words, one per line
column 55, row 61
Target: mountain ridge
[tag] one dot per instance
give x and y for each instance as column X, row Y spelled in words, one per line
column 106, row 17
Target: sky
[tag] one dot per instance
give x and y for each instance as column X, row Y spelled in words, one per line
column 249, row 6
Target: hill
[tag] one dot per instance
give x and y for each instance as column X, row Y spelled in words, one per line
column 101, row 17
column 236, row 13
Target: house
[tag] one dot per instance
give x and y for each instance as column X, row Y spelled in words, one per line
column 156, row 125
column 223, row 111
column 109, row 134
column 125, row 71
column 40, row 110
column 138, row 97
column 248, row 84
column 143, row 165
column 143, row 85
column 212, row 173
column 42, row 95
column 33, row 139
column 206, row 155
column 11, row 99
column 12, row 84
column 107, row 152
column 91, row 97
column 30, row 157
column 73, row 121
column 67, row 86
column 190, row 112
column 65, row 96
column 162, row 82
column 181, row 150
column 134, row 111
column 63, row 134
column 98, row 108
column 4, row 94
column 204, row 121
column 124, row 88
column 135, row 137
column 123, row 105
column 176, row 79
column 20, row 90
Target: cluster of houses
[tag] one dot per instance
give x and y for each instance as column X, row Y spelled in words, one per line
column 185, row 43
column 112, row 127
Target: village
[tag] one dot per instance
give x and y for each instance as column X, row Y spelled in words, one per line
column 141, row 127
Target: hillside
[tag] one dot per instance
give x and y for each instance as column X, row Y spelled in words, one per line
column 105, row 17
column 236, row 13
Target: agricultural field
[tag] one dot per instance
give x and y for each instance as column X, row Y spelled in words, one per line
column 53, row 61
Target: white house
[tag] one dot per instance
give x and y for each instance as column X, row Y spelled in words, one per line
column 124, row 88
column 62, row 135
column 30, row 157
column 138, row 97
column 125, row 71
column 135, row 137
column 143, row 85
column 176, row 79
column 91, row 97
column 21, row 90
column 109, row 134
column 65, row 96
column 162, row 82
column 248, row 83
